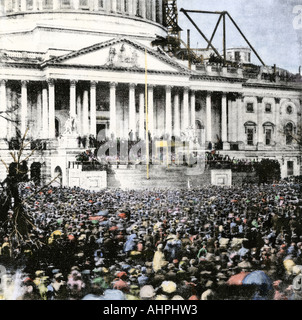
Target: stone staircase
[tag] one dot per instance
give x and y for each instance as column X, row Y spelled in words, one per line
column 173, row 177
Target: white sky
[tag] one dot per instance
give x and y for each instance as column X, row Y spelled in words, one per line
column 267, row 24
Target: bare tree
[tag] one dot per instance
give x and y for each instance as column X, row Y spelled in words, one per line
column 11, row 199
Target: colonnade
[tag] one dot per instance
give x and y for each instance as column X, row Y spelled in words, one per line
column 179, row 110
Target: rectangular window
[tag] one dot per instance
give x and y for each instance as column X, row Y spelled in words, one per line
column 268, row 108
column 237, row 56
column 268, row 136
column 250, row 137
column 250, row 107
column 290, row 168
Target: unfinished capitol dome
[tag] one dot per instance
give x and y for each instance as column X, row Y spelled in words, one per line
column 38, row 25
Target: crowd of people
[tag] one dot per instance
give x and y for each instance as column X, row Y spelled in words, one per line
column 155, row 244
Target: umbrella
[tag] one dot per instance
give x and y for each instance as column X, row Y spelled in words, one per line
column 110, row 294
column 259, row 278
column 168, row 286
column 237, row 279
column 103, row 213
column 56, row 233
column 94, row 218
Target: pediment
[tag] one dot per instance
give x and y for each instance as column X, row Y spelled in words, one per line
column 120, row 54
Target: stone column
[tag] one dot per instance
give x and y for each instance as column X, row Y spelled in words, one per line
column 107, row 5
column 75, row 4
column 72, row 111
column 79, row 115
column 56, row 4
column 132, row 111
column 277, row 119
column 193, row 114
column 240, row 124
column 168, row 130
column 93, row 108
column 51, row 107
column 40, row 5
column 230, row 122
column 16, row 9
column 113, row 109
column 151, row 109
column 9, row 104
column 209, row 117
column 23, row 114
column 130, row 7
column 45, row 133
column 85, row 113
column 153, row 8
column 176, row 115
column 3, row 108
column 134, row 7
column 39, row 115
column 142, row 116
column 35, row 5
column 259, row 121
column 186, row 109
column 23, row 5
column 113, row 5
column 160, row 11
column 143, row 8
column 224, row 122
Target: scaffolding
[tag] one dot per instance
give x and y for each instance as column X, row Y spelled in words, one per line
column 170, row 12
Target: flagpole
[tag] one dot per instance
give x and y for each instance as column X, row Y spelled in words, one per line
column 147, row 116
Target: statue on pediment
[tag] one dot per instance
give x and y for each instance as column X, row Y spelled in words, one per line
column 112, row 54
column 69, row 126
column 122, row 57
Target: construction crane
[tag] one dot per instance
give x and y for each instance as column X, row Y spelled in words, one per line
column 173, row 42
column 222, row 17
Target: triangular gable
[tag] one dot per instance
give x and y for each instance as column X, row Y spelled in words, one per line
column 120, row 53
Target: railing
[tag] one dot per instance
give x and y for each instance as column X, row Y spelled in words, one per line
column 87, row 166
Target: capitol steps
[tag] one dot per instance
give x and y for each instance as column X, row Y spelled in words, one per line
column 160, row 177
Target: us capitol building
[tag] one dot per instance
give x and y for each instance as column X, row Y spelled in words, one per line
column 85, row 61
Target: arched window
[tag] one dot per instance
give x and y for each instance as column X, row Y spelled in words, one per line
column 58, row 175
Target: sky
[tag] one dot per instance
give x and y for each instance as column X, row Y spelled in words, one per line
column 273, row 27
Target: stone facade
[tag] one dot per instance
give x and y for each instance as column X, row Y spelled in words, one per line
column 77, row 67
